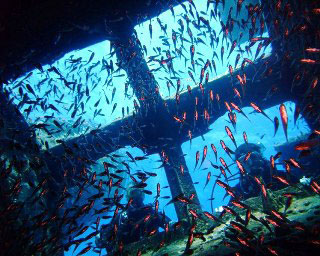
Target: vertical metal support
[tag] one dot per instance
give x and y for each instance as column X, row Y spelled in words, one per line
column 180, row 183
column 130, row 56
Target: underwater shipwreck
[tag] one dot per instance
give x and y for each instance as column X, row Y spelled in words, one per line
column 155, row 127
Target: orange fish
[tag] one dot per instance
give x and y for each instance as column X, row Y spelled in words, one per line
column 230, row 135
column 211, row 95
column 193, row 213
column 241, row 168
column 313, row 50
column 307, row 145
column 294, row 163
column 272, row 163
column 308, row 61
column 284, row 119
column 215, row 151
column 228, row 106
column 247, row 156
column 226, row 149
column 222, row 184
column 205, row 151
column 181, row 169
column 196, row 115
column 256, row 108
column 264, row 190
column 208, row 179
column 245, row 137
column 281, row 179
column 224, row 164
column 210, row 216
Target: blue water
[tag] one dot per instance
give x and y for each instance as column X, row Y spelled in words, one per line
column 259, row 130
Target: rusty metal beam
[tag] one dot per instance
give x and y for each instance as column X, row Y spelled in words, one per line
column 180, row 183
column 147, row 132
column 130, row 55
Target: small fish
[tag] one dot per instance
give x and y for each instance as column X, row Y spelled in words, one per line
column 30, row 90
column 208, row 179
column 131, row 157
column 190, row 137
column 240, row 167
column 192, row 50
column 234, row 44
column 239, row 110
column 276, row 125
column 307, row 145
column 150, row 29
column 113, row 93
column 215, row 151
column 297, row 111
column 205, row 151
column 91, row 57
column 197, row 159
column 256, row 108
column 284, row 119
column 221, row 53
column 224, row 164
column 148, row 192
column 114, row 107
column 231, row 135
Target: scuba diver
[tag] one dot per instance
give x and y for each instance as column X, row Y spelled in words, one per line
column 134, row 223
column 256, row 166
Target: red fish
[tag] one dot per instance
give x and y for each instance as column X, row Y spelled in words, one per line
column 197, row 159
column 272, row 163
column 247, row 156
column 208, row 179
column 211, row 95
column 222, row 184
column 230, row 135
column 190, row 137
column 210, row 216
column 234, row 44
column 239, row 5
column 245, row 137
column 193, row 213
column 284, row 119
column 307, row 145
column 228, row 106
column 308, row 61
column 192, row 50
column 226, row 149
column 256, row 108
column 181, row 169
column 281, row 179
column 205, row 151
column 294, row 163
column 264, row 190
column 224, row 164
column 223, row 172
column 215, row 151
column 84, row 250
column 241, row 168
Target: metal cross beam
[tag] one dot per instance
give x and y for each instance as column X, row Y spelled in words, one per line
column 150, row 123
